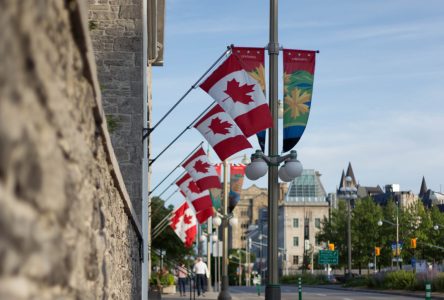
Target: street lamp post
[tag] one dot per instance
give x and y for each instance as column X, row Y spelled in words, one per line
column 348, row 193
column 258, row 167
column 225, row 219
column 397, row 252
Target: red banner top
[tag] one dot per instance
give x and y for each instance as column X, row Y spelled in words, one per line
column 303, row 60
column 250, row 57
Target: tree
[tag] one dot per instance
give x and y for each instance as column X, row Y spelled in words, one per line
column 335, row 231
column 167, row 239
column 365, row 231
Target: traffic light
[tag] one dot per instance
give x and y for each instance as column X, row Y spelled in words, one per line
column 331, row 247
column 413, row 243
column 377, row 251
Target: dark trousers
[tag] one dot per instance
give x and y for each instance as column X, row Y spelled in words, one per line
column 200, row 284
column 182, row 283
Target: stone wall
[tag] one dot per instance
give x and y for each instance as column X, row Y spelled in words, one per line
column 67, row 227
column 116, row 32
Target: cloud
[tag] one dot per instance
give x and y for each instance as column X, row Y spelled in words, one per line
column 392, row 147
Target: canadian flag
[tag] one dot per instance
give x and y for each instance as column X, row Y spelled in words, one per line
column 183, row 222
column 203, row 215
column 222, row 133
column 201, row 200
column 202, row 171
column 240, row 95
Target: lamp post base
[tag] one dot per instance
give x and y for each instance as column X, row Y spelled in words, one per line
column 224, row 292
column 273, row 292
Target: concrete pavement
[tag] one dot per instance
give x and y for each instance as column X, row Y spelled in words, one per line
column 314, row 293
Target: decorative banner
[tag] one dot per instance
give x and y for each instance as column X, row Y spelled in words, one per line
column 216, row 198
column 237, row 174
column 299, row 68
column 253, row 61
column 240, row 95
column 219, row 129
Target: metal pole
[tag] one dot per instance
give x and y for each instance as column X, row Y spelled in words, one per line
column 397, row 235
column 349, row 252
column 240, row 268
column 218, row 263
column 225, row 293
column 209, row 252
column 273, row 290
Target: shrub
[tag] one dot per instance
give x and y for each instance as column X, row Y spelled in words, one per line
column 167, row 279
column 358, row 281
column 400, row 280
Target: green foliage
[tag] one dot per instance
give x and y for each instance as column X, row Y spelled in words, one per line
column 400, row 280
column 167, row 239
column 361, row 281
column 159, row 279
column 112, row 122
column 415, row 221
column 307, row 278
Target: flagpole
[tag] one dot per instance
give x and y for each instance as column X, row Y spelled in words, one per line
column 180, row 134
column 194, row 86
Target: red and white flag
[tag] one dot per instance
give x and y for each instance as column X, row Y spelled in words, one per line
column 203, row 215
column 202, row 171
column 222, row 133
column 183, row 222
column 240, row 95
column 201, row 200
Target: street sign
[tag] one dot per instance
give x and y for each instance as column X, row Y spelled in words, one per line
column 328, row 257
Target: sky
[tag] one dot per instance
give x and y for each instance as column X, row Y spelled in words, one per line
column 378, row 96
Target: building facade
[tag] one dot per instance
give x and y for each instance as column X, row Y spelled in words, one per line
column 300, row 216
column 253, row 200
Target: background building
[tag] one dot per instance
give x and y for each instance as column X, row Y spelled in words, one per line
column 247, row 211
column 300, row 216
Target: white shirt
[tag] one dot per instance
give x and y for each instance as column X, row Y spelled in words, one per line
column 201, row 268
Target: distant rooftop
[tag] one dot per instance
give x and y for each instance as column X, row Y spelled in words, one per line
column 306, row 188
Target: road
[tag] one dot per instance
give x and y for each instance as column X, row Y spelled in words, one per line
column 315, row 293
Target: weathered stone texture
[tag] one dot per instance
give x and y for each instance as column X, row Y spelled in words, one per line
column 117, row 41
column 64, row 230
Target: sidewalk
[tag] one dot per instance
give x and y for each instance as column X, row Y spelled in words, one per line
column 208, row 296
column 435, row 295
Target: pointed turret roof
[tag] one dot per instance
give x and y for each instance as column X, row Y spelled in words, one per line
column 423, row 190
column 351, row 174
column 342, row 182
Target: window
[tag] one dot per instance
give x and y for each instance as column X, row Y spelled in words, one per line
column 295, row 260
column 295, row 241
column 244, row 213
column 318, row 223
column 295, row 223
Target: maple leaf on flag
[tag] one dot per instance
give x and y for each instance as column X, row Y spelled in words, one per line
column 217, row 126
column 239, row 93
column 187, row 219
column 201, row 166
column 193, row 187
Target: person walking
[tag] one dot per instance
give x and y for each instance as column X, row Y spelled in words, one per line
column 201, row 270
column 182, row 273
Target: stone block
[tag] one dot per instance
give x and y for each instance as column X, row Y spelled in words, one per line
column 130, row 12
column 130, row 44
